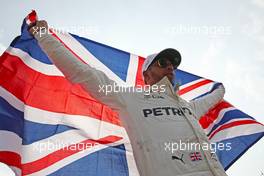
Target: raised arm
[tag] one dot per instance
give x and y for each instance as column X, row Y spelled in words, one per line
column 75, row 70
column 203, row 104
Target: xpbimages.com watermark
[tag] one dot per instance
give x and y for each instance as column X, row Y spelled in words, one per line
column 195, row 146
column 59, row 145
column 81, row 30
column 216, row 30
column 146, row 89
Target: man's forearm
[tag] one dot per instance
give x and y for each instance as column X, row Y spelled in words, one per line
column 203, row 104
column 78, row 72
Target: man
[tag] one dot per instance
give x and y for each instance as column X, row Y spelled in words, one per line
column 155, row 120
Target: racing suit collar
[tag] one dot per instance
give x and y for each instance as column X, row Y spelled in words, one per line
column 169, row 89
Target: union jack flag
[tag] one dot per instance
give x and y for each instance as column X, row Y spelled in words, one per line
column 44, row 119
column 195, row 156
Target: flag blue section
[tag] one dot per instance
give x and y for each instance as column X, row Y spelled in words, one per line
column 114, row 59
column 13, row 120
column 32, row 48
column 239, row 145
column 110, row 161
column 183, row 77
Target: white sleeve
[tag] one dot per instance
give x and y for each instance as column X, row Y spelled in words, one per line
column 203, row 104
column 78, row 72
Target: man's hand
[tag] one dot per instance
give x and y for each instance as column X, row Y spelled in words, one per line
column 37, row 27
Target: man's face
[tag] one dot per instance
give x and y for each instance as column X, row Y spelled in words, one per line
column 156, row 72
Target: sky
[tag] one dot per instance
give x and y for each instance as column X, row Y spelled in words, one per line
column 220, row 40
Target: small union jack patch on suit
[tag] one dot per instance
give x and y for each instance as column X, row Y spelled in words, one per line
column 195, row 156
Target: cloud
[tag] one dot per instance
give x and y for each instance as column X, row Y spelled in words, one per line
column 243, row 78
column 252, row 23
column 259, row 3
column 2, row 32
column 253, row 26
column 211, row 61
column 247, row 81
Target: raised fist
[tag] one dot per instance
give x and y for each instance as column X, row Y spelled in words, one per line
column 38, row 26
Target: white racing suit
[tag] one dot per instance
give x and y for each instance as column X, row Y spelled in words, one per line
column 156, row 123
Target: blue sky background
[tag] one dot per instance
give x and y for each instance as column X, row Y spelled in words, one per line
column 221, row 40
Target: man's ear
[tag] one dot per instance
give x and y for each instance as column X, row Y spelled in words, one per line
column 146, row 76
